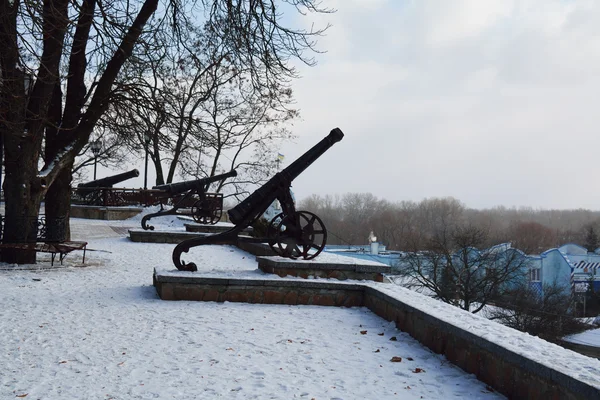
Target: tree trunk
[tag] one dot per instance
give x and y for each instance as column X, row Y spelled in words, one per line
column 160, row 178
column 23, row 196
column 58, row 195
column 58, row 204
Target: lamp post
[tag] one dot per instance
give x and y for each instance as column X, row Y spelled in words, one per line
column 96, row 146
column 147, row 139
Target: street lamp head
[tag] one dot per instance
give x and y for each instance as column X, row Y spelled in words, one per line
column 96, row 146
column 147, row 137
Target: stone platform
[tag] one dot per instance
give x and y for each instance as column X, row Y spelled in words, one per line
column 216, row 228
column 460, row 336
column 106, row 213
column 173, row 285
column 171, row 236
column 325, row 265
column 256, row 249
column 161, row 236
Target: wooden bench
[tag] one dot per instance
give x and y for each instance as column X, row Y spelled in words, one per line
column 62, row 248
column 44, row 243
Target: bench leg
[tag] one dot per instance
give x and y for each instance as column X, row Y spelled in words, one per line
column 53, row 255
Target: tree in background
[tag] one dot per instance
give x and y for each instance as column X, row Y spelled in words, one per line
column 349, row 218
column 396, row 224
column 530, row 237
column 50, row 101
column 111, row 155
column 548, row 315
column 591, row 239
column 239, row 128
column 454, row 269
column 60, row 60
column 409, row 225
column 167, row 82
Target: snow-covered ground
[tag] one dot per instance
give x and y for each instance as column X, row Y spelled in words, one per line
column 99, row 331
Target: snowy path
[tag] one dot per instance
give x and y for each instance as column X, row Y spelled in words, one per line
column 100, row 332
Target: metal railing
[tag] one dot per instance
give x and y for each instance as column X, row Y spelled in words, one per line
column 51, row 230
column 119, row 197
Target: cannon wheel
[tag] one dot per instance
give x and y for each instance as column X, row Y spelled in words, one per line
column 205, row 212
column 302, row 234
column 272, row 234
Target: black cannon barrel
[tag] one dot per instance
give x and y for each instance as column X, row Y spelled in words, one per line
column 180, row 187
column 267, row 193
column 109, row 181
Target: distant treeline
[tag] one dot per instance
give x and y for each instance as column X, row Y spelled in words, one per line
column 408, row 225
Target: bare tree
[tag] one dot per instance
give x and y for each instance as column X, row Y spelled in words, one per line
column 454, row 269
column 239, row 128
column 411, row 225
column 531, row 237
column 171, row 81
column 200, row 115
column 329, row 209
column 591, row 239
column 396, row 225
column 111, row 155
column 349, row 218
column 46, row 112
column 61, row 58
column 547, row 314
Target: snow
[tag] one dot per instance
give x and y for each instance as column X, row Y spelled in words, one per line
column 589, row 338
column 566, row 361
column 332, row 258
column 99, row 331
column 187, row 219
column 164, row 222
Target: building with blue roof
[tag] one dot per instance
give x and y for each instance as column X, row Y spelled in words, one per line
column 570, row 266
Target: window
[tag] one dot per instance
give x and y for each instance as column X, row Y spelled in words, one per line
column 535, row 275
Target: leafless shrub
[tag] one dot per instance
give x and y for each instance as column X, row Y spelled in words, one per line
column 548, row 314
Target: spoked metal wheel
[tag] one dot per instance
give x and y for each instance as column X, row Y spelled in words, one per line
column 215, row 214
column 198, row 212
column 272, row 234
column 302, row 234
column 205, row 212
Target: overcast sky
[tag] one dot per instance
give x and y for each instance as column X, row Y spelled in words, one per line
column 491, row 102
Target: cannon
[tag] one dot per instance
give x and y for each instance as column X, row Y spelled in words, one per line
column 93, row 192
column 109, row 181
column 291, row 233
column 206, row 208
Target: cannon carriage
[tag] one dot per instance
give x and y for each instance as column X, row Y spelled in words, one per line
column 291, row 233
column 206, row 208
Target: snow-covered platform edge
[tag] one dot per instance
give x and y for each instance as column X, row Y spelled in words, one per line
column 325, row 266
column 513, row 363
column 161, row 236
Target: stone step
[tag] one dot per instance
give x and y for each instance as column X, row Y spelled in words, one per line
column 325, row 265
